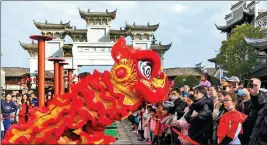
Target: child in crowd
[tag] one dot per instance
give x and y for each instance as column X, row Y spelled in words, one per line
column 152, row 124
column 204, row 80
column 166, row 123
column 141, row 125
column 146, row 120
column 137, row 121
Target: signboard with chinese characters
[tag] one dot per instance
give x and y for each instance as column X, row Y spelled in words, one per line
column 93, row 49
column 262, row 22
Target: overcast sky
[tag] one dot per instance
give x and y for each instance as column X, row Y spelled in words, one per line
column 188, row 25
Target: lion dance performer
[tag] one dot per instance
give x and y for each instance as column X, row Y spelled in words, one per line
column 96, row 101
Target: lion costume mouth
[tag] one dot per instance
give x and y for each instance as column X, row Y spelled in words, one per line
column 137, row 73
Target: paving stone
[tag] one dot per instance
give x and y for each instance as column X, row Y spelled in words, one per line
column 126, row 136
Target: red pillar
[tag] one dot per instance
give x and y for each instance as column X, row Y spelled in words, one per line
column 56, row 74
column 69, row 79
column 41, row 67
column 61, row 78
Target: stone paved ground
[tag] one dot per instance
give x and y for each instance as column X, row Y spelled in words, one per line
column 126, row 136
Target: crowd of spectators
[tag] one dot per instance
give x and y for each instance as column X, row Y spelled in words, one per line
column 15, row 108
column 232, row 113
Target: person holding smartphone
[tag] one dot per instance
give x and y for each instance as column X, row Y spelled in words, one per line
column 258, row 114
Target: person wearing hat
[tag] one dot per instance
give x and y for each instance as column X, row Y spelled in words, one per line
column 224, row 80
column 233, row 83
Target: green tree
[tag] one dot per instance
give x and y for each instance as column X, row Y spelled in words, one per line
column 186, row 80
column 236, row 56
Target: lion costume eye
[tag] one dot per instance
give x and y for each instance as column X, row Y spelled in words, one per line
column 145, row 67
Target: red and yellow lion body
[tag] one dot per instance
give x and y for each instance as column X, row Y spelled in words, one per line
column 96, row 101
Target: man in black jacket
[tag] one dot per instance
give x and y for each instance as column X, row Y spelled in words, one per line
column 179, row 104
column 199, row 117
column 258, row 116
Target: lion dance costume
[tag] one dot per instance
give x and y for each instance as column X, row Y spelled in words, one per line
column 96, row 101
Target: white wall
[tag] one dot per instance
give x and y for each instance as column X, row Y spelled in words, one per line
column 54, row 48
column 3, row 80
column 144, row 44
column 33, row 64
column 98, row 33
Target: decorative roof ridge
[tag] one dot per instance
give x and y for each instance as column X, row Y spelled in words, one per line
column 107, row 12
column 74, row 30
column 162, row 45
column 26, row 46
column 236, row 4
column 148, row 25
column 121, row 30
column 28, row 43
column 85, row 14
column 45, row 23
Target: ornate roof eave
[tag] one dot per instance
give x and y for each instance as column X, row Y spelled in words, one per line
column 260, row 44
column 29, row 46
column 212, row 60
column 261, row 16
column 236, row 4
column 228, row 15
column 51, row 25
column 120, row 32
column 142, row 27
column 251, row 3
column 159, row 47
column 85, row 14
column 258, row 68
column 76, row 31
column 228, row 27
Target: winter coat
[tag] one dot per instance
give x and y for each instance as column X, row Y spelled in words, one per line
column 258, row 102
column 182, row 123
column 8, row 108
column 179, row 106
column 244, row 138
column 200, row 128
column 167, row 121
column 259, row 134
column 221, row 111
column 205, row 83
